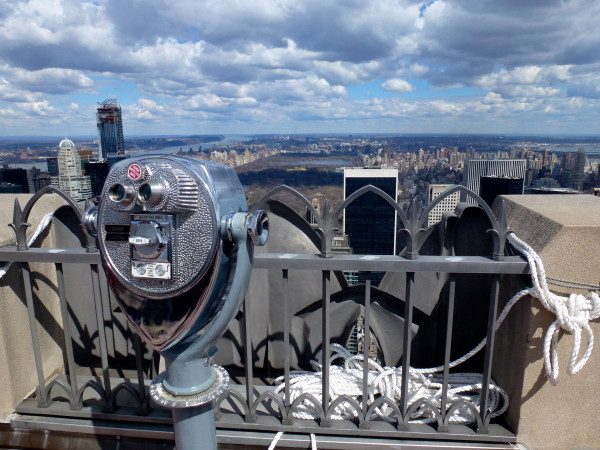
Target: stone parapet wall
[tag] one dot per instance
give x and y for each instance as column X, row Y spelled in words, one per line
column 565, row 231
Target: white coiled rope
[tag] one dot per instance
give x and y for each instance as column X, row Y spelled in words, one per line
column 573, row 315
column 347, row 380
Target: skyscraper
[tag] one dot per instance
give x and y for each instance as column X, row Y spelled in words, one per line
column 97, row 171
column 580, row 161
column 52, row 166
column 492, row 187
column 109, row 121
column 477, row 168
column 69, row 177
column 446, row 205
column 370, row 221
column 16, row 176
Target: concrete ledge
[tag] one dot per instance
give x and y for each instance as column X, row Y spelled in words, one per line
column 565, row 231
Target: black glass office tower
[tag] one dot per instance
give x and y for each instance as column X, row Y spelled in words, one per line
column 110, row 130
column 492, row 187
column 370, row 221
column 97, row 171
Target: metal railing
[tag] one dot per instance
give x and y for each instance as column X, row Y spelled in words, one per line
column 121, row 404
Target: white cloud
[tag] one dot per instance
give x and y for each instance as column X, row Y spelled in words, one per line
column 41, row 108
column 289, row 61
column 51, row 80
column 397, row 85
column 348, row 73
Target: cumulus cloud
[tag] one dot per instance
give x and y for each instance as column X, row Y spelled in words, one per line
column 281, row 61
column 397, row 85
column 52, row 80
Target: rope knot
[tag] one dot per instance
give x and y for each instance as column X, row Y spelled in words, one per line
column 573, row 315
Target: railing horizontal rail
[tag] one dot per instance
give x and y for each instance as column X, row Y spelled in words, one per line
column 49, row 255
column 390, row 263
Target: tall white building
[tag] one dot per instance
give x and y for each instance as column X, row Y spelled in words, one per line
column 70, row 178
column 446, row 205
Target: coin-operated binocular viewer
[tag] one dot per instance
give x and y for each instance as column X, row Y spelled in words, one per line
column 176, row 241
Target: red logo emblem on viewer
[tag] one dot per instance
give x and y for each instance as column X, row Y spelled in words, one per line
column 134, row 171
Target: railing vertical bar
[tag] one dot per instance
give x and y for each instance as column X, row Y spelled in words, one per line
column 139, row 364
column 326, row 277
column 110, row 330
column 101, row 333
column 286, row 337
column 71, row 368
column 366, row 344
column 26, row 272
column 406, row 345
column 448, row 348
column 489, row 352
column 248, row 369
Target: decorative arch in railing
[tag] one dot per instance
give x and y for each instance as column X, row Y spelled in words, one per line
column 95, row 386
column 21, row 216
column 427, row 405
column 499, row 230
column 131, row 391
column 456, row 406
column 352, row 403
column 234, row 398
column 413, row 220
column 268, row 396
column 46, row 398
column 306, row 397
column 380, row 402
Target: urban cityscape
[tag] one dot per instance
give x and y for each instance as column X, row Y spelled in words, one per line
column 409, row 167
column 299, row 224
column 542, row 164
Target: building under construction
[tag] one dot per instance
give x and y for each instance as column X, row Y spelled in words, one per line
column 109, row 121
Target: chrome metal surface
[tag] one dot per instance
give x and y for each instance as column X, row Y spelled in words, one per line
column 258, row 227
column 194, row 232
column 90, row 221
column 164, row 252
column 122, row 193
column 163, row 397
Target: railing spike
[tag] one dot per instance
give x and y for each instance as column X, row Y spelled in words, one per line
column 19, row 226
column 500, row 231
column 501, row 216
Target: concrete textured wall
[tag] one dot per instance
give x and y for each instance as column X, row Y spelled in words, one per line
column 17, row 366
column 565, row 231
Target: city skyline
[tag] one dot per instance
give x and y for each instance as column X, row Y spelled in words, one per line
column 291, row 67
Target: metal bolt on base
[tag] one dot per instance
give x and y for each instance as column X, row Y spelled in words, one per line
column 164, row 397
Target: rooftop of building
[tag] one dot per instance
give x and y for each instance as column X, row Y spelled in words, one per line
column 66, row 143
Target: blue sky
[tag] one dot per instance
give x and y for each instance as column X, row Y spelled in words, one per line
column 291, row 66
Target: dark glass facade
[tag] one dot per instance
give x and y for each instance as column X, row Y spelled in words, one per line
column 370, row 220
column 492, row 187
column 97, row 171
column 15, row 176
column 52, row 166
